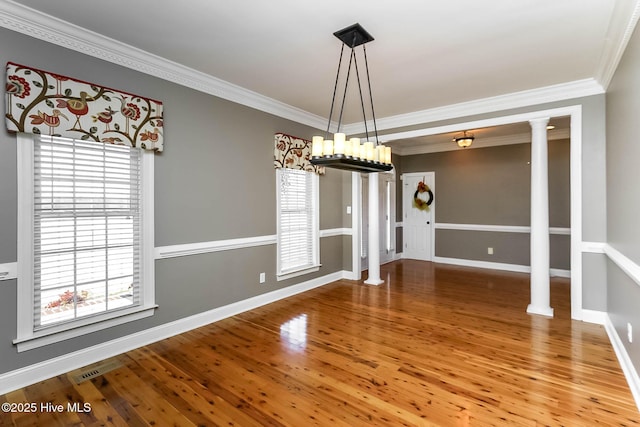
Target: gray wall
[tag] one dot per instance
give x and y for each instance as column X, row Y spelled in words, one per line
column 491, row 186
column 215, row 180
column 623, row 196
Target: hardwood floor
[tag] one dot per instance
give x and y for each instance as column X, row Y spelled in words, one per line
column 434, row 345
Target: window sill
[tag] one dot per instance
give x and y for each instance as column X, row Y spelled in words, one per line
column 82, row 327
column 289, row 275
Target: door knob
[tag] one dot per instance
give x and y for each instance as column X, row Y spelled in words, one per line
column 428, row 222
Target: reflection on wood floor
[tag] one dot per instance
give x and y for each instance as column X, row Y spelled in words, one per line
column 433, row 345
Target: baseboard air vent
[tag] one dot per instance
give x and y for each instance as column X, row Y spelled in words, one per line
column 95, row 370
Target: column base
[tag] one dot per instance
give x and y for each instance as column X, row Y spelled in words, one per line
column 543, row 311
column 375, row 282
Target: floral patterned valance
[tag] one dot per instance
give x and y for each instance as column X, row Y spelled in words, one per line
column 40, row 102
column 293, row 153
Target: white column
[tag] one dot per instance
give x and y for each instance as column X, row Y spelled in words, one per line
column 540, row 287
column 374, row 232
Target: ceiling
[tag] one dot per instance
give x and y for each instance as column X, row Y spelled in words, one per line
column 426, row 55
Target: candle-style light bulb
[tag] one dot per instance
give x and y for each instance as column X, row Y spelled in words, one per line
column 316, row 146
column 338, row 143
column 355, row 147
column 369, row 151
column 327, row 148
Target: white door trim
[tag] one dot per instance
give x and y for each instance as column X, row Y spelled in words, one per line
column 390, row 238
column 356, row 226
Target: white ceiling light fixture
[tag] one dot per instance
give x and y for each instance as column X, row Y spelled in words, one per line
column 465, row 140
column 340, row 152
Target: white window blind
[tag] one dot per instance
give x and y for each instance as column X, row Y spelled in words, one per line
column 297, row 220
column 87, row 225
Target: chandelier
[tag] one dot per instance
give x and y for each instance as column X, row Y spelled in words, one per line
column 351, row 154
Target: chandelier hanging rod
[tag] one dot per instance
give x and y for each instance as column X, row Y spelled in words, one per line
column 364, row 116
column 335, row 90
column 373, row 112
column 346, row 85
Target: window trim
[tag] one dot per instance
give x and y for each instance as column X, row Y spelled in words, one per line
column 315, row 197
column 27, row 338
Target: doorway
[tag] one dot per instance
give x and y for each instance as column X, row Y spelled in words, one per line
column 575, row 113
column 386, row 214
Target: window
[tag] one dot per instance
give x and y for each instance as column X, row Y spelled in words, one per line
column 85, row 237
column 297, row 222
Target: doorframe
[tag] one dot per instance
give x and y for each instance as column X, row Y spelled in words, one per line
column 385, row 177
column 432, row 225
column 575, row 113
column 356, row 223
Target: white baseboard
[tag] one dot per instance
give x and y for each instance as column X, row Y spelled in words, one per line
column 593, row 316
column 482, row 264
column 555, row 272
column 628, row 369
column 41, row 371
column 350, row 275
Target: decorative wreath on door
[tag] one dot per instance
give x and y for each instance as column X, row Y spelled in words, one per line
column 418, row 202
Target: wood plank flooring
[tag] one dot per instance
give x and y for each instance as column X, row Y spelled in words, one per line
column 435, row 345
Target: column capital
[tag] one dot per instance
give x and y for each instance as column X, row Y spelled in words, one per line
column 540, row 121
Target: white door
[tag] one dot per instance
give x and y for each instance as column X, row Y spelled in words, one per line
column 417, row 223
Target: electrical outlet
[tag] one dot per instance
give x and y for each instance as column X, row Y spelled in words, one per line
column 262, row 278
column 490, row 251
column 630, row 332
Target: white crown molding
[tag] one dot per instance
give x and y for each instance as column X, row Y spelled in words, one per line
column 554, row 93
column 36, row 24
column 623, row 21
column 477, row 143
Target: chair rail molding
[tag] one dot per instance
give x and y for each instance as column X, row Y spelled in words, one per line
column 498, row 228
column 196, row 248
